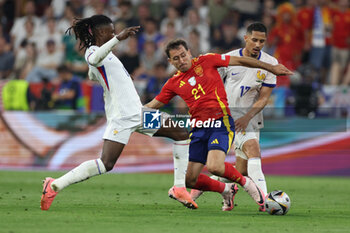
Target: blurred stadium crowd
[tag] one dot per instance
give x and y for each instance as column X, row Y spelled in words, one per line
column 311, row 37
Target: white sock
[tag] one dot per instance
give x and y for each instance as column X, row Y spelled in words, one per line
column 227, row 188
column 82, row 172
column 255, row 172
column 180, row 154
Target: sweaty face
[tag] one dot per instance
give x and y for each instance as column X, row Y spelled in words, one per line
column 254, row 43
column 180, row 58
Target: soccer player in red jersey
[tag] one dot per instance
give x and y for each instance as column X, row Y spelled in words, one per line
column 199, row 84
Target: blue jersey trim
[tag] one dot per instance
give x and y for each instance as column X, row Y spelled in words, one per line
column 102, row 71
column 241, row 53
column 268, row 85
column 259, row 56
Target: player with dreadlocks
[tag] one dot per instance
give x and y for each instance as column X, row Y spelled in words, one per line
column 123, row 111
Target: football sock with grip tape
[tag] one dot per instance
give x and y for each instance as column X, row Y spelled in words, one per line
column 233, row 174
column 255, row 172
column 205, row 183
column 82, row 172
column 180, row 156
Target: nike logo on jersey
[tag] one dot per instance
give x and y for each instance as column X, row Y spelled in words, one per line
column 234, row 74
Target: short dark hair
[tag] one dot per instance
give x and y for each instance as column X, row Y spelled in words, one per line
column 175, row 44
column 256, row 26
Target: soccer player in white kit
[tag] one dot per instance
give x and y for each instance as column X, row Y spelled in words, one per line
column 123, row 111
column 248, row 91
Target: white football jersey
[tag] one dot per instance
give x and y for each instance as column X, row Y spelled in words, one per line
column 243, row 86
column 120, row 96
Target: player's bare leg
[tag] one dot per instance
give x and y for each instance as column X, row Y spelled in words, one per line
column 335, row 73
column 346, row 80
column 242, row 165
column 110, row 154
column 180, row 158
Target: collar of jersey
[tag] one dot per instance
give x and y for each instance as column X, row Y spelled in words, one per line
column 241, row 53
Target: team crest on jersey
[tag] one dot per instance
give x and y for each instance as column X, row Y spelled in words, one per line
column 192, row 81
column 260, row 76
column 198, row 70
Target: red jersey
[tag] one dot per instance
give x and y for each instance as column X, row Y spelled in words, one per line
column 305, row 17
column 306, row 20
column 341, row 28
column 288, row 36
column 200, row 87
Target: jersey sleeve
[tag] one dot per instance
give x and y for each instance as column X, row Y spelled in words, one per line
column 216, row 60
column 270, row 80
column 223, row 72
column 96, row 57
column 166, row 94
column 90, row 52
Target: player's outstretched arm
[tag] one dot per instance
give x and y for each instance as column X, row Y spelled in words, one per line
column 154, row 104
column 278, row 69
column 127, row 32
column 97, row 56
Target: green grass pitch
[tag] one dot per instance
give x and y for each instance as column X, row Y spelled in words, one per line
column 139, row 203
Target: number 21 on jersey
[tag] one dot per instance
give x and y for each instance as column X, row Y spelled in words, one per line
column 196, row 91
column 244, row 90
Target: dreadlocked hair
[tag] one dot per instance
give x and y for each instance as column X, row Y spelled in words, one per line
column 85, row 29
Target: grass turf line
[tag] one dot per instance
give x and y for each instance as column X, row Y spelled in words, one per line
column 139, row 203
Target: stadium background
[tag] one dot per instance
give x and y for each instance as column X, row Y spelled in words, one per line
column 306, row 130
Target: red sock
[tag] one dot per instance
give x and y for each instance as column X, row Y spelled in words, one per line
column 205, row 183
column 231, row 173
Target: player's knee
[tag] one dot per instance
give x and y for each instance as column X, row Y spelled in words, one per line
column 251, row 149
column 180, row 135
column 216, row 169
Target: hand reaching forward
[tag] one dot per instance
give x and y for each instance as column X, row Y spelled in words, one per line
column 280, row 69
column 128, row 32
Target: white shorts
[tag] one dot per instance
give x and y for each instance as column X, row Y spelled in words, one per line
column 241, row 138
column 120, row 130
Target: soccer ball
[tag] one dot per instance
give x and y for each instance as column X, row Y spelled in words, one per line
column 277, row 203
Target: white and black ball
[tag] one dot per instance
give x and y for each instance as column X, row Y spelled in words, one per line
column 277, row 203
